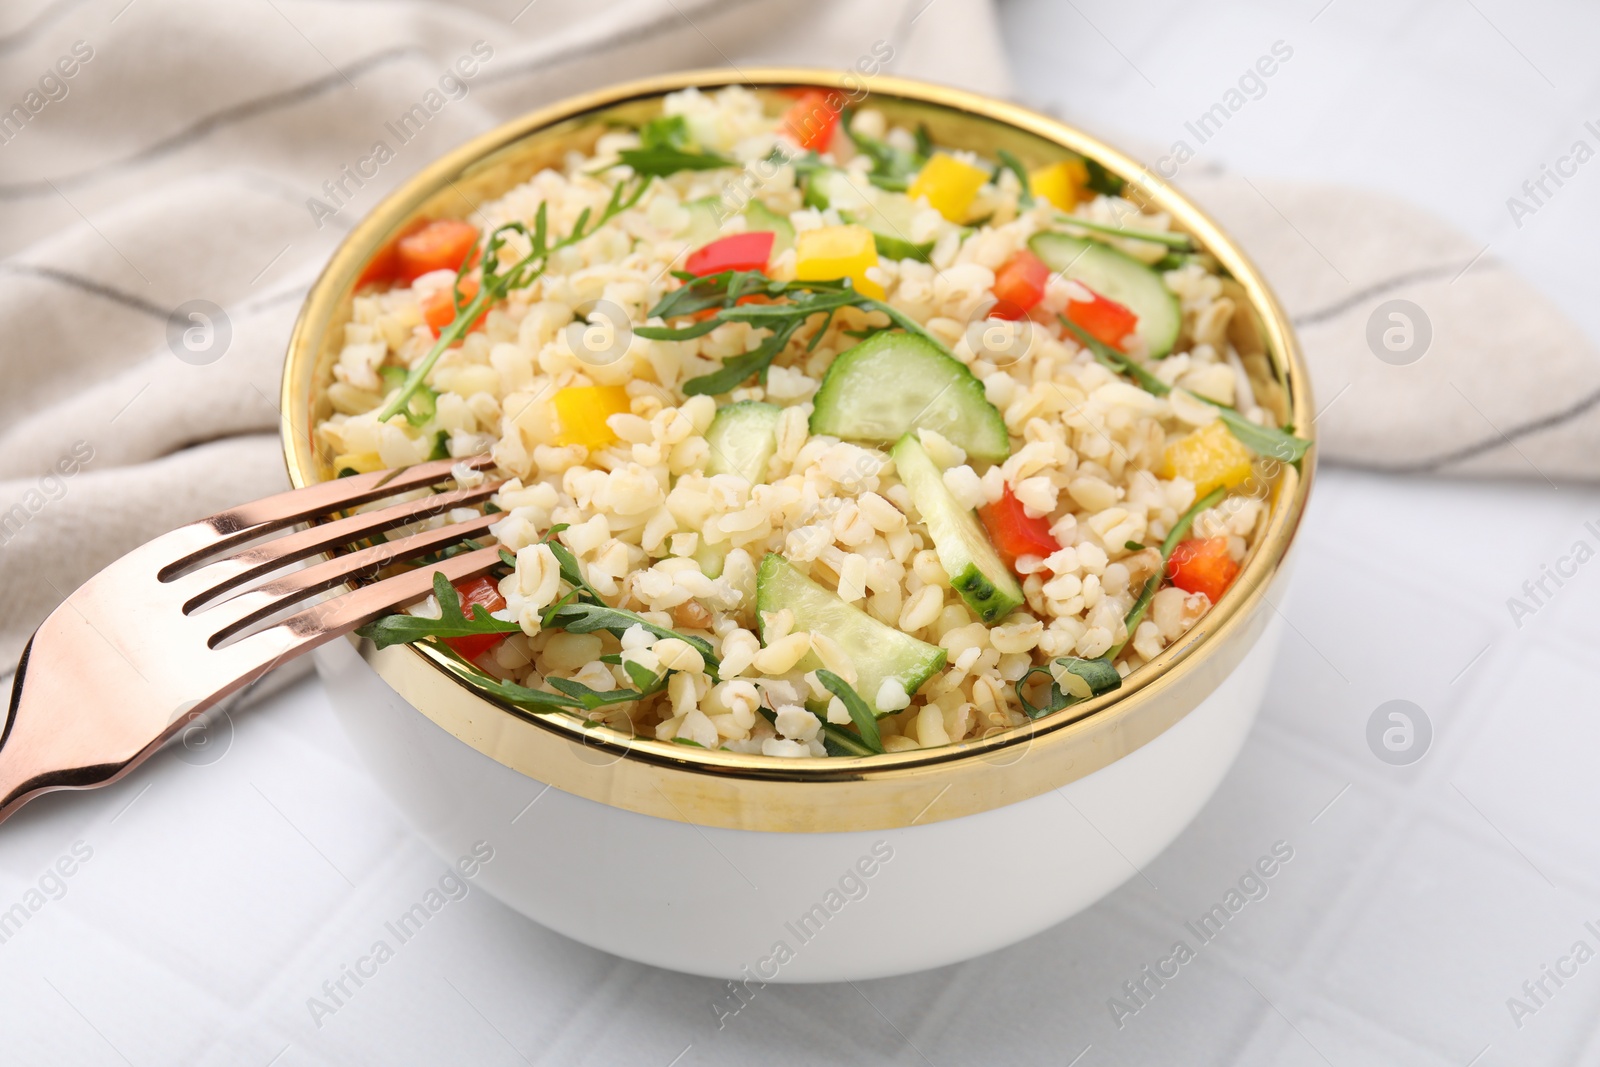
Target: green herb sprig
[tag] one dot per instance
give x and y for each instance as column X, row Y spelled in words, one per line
column 1269, row 441
column 1025, row 198
column 1100, row 675
column 1084, row 678
column 801, row 300
column 664, row 149
column 1180, row 529
column 497, row 282
column 580, row 611
column 866, row 721
column 892, row 167
column 583, row 611
column 574, row 698
column 837, row 741
column 423, row 403
column 402, row 629
column 1181, row 242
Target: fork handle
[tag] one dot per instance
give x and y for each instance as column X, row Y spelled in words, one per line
column 56, row 739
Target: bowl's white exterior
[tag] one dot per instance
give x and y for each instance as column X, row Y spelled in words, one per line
column 758, row 906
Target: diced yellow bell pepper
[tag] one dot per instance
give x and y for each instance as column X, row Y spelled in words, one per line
column 1209, row 457
column 360, row 462
column 949, row 186
column 1060, row 183
column 582, row 411
column 838, row 252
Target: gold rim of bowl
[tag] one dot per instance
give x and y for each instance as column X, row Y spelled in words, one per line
column 735, row 790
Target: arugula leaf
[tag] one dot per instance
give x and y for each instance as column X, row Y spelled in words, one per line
column 722, row 292
column 860, row 714
column 1266, row 441
column 1102, row 180
column 423, row 404
column 700, row 294
column 1181, row 242
column 520, row 695
column 1014, row 165
column 664, row 149
column 582, row 618
column 1263, row 440
column 570, row 572
column 1179, row 530
column 665, row 131
column 497, row 282
column 891, row 167
column 1120, row 362
column 590, row 699
column 784, row 320
column 1178, row 260
column 643, row 677
column 841, row 742
column 837, row 741
column 691, row 742
column 665, row 160
column 401, row 629
column 1084, row 678
column 736, row 370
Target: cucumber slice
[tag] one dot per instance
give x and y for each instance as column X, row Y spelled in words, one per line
column 705, row 220
column 759, row 216
column 879, row 652
column 895, row 382
column 1116, row 277
column 888, row 216
column 742, row 437
column 975, row 568
column 894, row 248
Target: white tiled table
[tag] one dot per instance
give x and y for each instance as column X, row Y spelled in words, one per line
column 219, row 897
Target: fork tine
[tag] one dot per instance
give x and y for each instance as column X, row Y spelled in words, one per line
column 237, row 525
column 257, row 653
column 214, row 579
column 235, row 613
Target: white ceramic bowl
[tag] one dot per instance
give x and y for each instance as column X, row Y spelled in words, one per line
column 754, row 869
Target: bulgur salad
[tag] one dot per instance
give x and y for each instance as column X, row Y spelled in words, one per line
column 816, row 438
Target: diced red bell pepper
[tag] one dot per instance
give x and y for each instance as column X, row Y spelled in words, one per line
column 811, row 120
column 1013, row 532
column 1203, row 565
column 442, row 244
column 1104, row 320
column 382, row 267
column 439, row 306
column 737, row 251
column 1019, row 285
column 483, row 591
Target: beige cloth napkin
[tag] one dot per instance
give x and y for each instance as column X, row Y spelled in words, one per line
column 170, row 147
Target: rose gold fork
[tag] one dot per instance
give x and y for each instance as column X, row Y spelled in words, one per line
column 144, row 646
